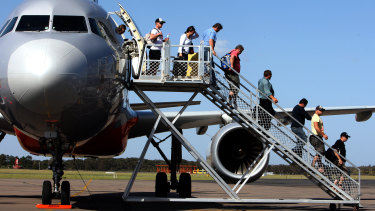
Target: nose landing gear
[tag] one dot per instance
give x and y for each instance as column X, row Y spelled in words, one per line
column 57, row 149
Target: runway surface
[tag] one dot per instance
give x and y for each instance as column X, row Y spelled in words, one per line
column 16, row 194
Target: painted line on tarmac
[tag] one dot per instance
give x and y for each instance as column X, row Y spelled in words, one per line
column 83, row 189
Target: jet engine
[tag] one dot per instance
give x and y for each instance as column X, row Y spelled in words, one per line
column 363, row 116
column 233, row 149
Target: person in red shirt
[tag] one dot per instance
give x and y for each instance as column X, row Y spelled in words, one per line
column 232, row 76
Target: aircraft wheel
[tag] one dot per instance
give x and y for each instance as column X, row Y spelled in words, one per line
column 65, row 193
column 161, row 185
column 47, row 192
column 184, row 185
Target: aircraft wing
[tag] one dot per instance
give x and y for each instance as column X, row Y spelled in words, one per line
column 202, row 119
column 362, row 113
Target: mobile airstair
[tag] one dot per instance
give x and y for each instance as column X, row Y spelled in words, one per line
column 197, row 76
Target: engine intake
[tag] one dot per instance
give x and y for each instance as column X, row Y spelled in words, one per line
column 233, row 149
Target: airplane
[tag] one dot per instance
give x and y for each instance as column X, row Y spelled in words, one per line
column 64, row 93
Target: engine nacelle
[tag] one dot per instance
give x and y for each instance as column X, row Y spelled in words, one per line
column 363, row 116
column 233, row 149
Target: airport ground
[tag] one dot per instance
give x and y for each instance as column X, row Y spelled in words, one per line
column 98, row 194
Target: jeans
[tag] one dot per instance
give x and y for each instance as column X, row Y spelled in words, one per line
column 299, row 145
column 265, row 119
column 212, row 72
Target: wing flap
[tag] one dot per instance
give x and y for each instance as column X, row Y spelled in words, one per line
column 143, row 106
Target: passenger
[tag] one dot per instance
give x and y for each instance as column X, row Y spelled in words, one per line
column 187, row 39
column 233, row 77
column 209, row 39
column 300, row 115
column 335, row 158
column 155, row 51
column 317, row 129
column 120, row 29
column 265, row 87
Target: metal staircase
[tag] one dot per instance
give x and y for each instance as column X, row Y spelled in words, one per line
column 173, row 75
column 246, row 111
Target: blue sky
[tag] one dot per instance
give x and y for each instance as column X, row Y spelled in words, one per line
column 321, row 50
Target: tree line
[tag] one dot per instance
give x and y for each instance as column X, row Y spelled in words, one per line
column 128, row 164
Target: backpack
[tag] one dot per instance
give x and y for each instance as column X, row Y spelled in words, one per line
column 225, row 62
column 148, row 40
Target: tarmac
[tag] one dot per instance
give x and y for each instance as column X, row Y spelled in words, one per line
column 24, row 194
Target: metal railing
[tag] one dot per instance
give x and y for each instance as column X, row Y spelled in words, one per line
column 246, row 101
column 172, row 68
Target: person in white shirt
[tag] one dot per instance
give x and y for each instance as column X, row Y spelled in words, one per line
column 316, row 140
column 156, row 36
column 187, row 39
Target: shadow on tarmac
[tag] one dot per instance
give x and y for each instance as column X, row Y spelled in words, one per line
column 113, row 201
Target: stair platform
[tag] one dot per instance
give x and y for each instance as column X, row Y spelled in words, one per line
column 173, row 85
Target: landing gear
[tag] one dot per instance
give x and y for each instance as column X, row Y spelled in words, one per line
column 47, row 192
column 162, row 186
column 57, row 149
column 65, row 193
column 184, row 186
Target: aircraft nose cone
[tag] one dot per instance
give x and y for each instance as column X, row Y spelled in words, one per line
column 43, row 75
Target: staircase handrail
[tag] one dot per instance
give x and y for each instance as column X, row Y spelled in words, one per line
column 282, row 109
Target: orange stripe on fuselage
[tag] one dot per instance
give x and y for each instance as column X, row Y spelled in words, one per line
column 110, row 142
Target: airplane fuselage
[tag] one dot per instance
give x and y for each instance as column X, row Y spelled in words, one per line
column 58, row 68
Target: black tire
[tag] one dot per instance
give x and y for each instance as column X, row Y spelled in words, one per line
column 161, row 185
column 184, row 186
column 65, row 193
column 47, row 192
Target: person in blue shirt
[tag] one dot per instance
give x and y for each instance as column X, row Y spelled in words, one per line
column 209, row 39
column 266, row 94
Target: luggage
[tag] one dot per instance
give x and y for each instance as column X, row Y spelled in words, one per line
column 192, row 69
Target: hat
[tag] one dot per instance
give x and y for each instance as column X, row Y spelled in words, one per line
column 160, row 20
column 320, row 108
column 345, row 134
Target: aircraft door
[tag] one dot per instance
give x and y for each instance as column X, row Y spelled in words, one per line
column 138, row 43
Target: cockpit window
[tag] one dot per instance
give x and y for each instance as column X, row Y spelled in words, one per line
column 8, row 28
column 69, row 23
column 94, row 27
column 33, row 23
column 6, row 23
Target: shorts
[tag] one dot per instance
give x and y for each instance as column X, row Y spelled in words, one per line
column 235, row 79
column 317, row 144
